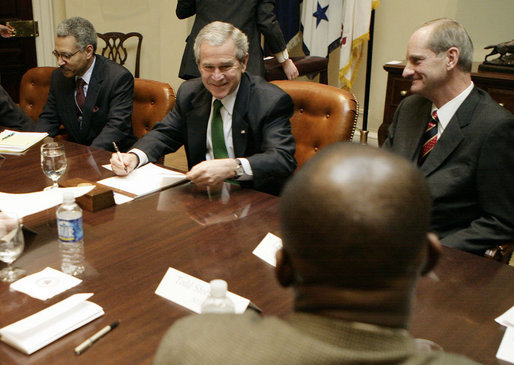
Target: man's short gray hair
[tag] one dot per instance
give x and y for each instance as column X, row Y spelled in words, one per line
column 447, row 33
column 80, row 28
column 217, row 33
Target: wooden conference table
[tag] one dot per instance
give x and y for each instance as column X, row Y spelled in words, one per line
column 129, row 247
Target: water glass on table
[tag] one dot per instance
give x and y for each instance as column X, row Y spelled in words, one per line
column 53, row 162
column 11, row 246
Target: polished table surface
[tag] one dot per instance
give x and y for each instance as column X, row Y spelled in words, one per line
column 209, row 235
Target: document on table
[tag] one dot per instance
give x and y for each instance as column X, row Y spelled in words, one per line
column 267, row 249
column 44, row 327
column 30, row 203
column 190, row 292
column 18, row 142
column 506, row 349
column 144, row 180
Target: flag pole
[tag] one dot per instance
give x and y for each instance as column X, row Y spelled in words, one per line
column 368, row 73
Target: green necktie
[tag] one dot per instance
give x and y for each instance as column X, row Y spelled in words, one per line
column 218, row 139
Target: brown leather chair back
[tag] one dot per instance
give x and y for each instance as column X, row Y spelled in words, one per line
column 152, row 101
column 34, row 88
column 323, row 115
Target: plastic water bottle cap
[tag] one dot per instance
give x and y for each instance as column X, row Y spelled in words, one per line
column 218, row 288
column 68, row 197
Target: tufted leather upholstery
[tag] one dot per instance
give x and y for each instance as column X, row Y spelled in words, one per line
column 34, row 88
column 323, row 115
column 152, row 101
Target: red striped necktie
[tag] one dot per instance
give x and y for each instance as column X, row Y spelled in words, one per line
column 80, row 97
column 429, row 138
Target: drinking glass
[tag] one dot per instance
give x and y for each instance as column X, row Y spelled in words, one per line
column 11, row 246
column 53, row 162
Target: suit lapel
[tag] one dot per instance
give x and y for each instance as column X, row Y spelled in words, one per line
column 452, row 135
column 197, row 121
column 415, row 129
column 70, row 107
column 239, row 117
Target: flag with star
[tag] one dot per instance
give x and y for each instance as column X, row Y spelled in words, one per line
column 355, row 33
column 321, row 26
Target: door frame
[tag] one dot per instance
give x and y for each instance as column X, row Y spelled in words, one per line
column 43, row 13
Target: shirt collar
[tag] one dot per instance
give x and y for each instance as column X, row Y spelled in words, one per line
column 229, row 100
column 87, row 75
column 447, row 111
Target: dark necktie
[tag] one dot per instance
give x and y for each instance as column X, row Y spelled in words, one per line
column 80, row 97
column 219, row 148
column 429, row 138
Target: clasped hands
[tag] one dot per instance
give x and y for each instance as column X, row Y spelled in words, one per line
column 206, row 173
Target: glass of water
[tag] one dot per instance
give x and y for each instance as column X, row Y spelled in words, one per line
column 53, row 162
column 11, row 246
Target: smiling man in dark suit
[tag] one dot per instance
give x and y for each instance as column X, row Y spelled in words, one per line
column 469, row 158
column 233, row 125
column 90, row 95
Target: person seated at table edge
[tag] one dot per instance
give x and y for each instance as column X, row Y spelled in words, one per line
column 90, row 95
column 353, row 251
column 11, row 115
column 468, row 159
column 245, row 137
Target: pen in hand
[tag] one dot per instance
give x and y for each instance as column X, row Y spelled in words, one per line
column 119, row 155
column 91, row 340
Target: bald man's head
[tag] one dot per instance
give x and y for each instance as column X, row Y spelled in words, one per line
column 355, row 216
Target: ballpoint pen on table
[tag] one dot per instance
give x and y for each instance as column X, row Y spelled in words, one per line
column 91, row 340
column 9, row 135
column 119, row 155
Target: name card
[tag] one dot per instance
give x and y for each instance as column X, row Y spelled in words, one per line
column 190, row 292
column 267, row 249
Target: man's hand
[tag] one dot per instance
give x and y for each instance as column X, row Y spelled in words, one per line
column 126, row 166
column 290, row 69
column 212, row 172
column 6, row 31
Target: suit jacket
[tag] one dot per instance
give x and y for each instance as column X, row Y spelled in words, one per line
column 107, row 113
column 302, row 339
column 261, row 131
column 252, row 17
column 470, row 171
column 11, row 115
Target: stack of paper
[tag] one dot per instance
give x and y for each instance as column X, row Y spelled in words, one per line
column 18, row 142
column 144, row 180
column 38, row 330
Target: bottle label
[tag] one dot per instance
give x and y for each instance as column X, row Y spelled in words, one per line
column 70, row 230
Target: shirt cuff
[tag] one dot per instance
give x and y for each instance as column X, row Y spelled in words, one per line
column 143, row 158
column 282, row 56
column 247, row 170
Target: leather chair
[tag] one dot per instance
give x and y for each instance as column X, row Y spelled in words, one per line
column 323, row 115
column 116, row 51
column 152, row 101
column 34, row 88
column 308, row 65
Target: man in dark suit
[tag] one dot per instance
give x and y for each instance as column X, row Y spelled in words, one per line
column 11, row 115
column 233, row 125
column 353, row 252
column 253, row 17
column 470, row 168
column 90, row 95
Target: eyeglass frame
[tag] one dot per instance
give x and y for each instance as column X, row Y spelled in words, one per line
column 65, row 57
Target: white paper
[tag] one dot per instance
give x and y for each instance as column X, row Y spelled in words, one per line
column 506, row 349
column 45, row 284
column 507, row 318
column 121, row 198
column 44, row 327
column 30, row 203
column 190, row 292
column 144, row 180
column 267, row 249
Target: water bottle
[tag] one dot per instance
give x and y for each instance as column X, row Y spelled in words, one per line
column 217, row 300
column 71, row 235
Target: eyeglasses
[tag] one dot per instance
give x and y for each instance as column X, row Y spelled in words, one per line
column 65, row 56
